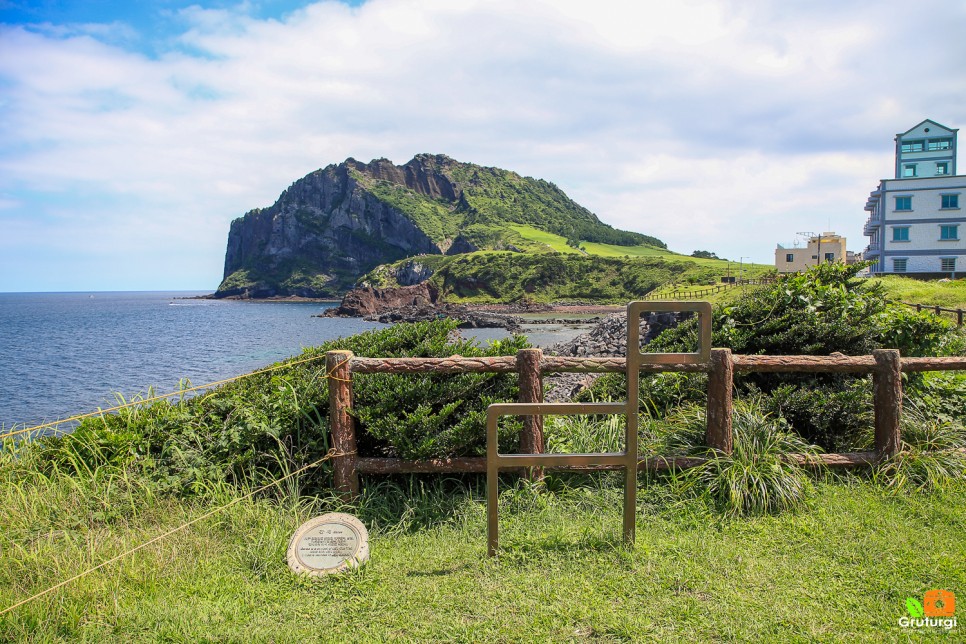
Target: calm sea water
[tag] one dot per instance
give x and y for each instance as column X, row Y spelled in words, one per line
column 69, row 353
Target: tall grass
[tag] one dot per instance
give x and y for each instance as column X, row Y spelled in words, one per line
column 932, row 453
column 755, row 478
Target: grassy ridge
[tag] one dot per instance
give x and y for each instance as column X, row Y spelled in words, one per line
column 551, row 270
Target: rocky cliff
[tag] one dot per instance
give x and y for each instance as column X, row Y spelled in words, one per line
column 338, row 223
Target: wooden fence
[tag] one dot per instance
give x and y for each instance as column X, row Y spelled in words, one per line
column 531, row 365
column 938, row 310
column 681, row 293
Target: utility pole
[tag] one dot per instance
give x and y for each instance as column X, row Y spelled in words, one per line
column 741, row 267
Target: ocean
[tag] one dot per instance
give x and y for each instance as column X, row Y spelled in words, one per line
column 70, row 353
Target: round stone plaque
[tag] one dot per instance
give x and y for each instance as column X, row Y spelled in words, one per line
column 329, row 543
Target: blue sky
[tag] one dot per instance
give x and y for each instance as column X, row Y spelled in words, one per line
column 132, row 133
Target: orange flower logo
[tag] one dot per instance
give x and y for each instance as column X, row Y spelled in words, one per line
column 939, row 603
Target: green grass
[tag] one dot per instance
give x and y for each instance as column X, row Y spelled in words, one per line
column 559, row 244
column 840, row 570
column 951, row 295
column 542, row 241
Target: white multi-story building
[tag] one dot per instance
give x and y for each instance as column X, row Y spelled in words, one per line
column 916, row 224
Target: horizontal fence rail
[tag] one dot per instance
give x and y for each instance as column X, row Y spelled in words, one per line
column 938, row 310
column 885, row 365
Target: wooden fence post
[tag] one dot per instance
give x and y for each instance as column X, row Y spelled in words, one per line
column 887, row 398
column 959, row 317
column 531, row 391
column 344, row 475
column 720, row 384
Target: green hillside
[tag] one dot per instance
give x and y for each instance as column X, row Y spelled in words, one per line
column 551, row 270
column 493, row 276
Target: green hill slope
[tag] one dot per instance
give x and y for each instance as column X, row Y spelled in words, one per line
column 551, row 270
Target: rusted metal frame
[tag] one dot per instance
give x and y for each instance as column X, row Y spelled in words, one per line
column 496, row 461
column 628, row 459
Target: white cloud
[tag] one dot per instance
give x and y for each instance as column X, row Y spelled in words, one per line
column 721, row 125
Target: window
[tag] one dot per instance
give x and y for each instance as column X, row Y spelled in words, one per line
column 789, row 257
column 947, row 264
column 942, row 167
column 950, row 201
column 900, row 233
column 912, row 146
column 949, row 233
column 903, row 203
column 909, row 170
column 829, row 257
column 938, row 144
column 899, row 265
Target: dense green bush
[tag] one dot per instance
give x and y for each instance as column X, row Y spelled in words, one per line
column 819, row 312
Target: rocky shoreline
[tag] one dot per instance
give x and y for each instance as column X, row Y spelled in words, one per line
column 420, row 302
column 607, row 339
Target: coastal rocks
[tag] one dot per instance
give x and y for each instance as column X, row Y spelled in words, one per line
column 607, row 339
column 368, row 301
column 468, row 319
column 417, row 303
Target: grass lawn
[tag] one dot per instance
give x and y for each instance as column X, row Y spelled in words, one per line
column 950, row 295
column 838, row 571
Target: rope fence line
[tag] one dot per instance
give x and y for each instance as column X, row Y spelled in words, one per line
column 133, row 403
column 332, row 453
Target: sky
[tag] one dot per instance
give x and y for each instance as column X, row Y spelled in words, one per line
column 133, row 133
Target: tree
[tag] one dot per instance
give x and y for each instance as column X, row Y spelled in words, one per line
column 704, row 254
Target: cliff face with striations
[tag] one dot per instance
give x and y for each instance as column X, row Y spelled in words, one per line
column 338, row 223
column 322, row 234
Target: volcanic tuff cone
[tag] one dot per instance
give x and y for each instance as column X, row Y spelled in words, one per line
column 338, row 223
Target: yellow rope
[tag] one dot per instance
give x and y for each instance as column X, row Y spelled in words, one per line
column 332, row 453
column 101, row 412
column 332, row 370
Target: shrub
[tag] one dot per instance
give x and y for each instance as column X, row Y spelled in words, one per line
column 819, row 312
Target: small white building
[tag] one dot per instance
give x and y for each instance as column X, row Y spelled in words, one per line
column 915, row 220
column 827, row 247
